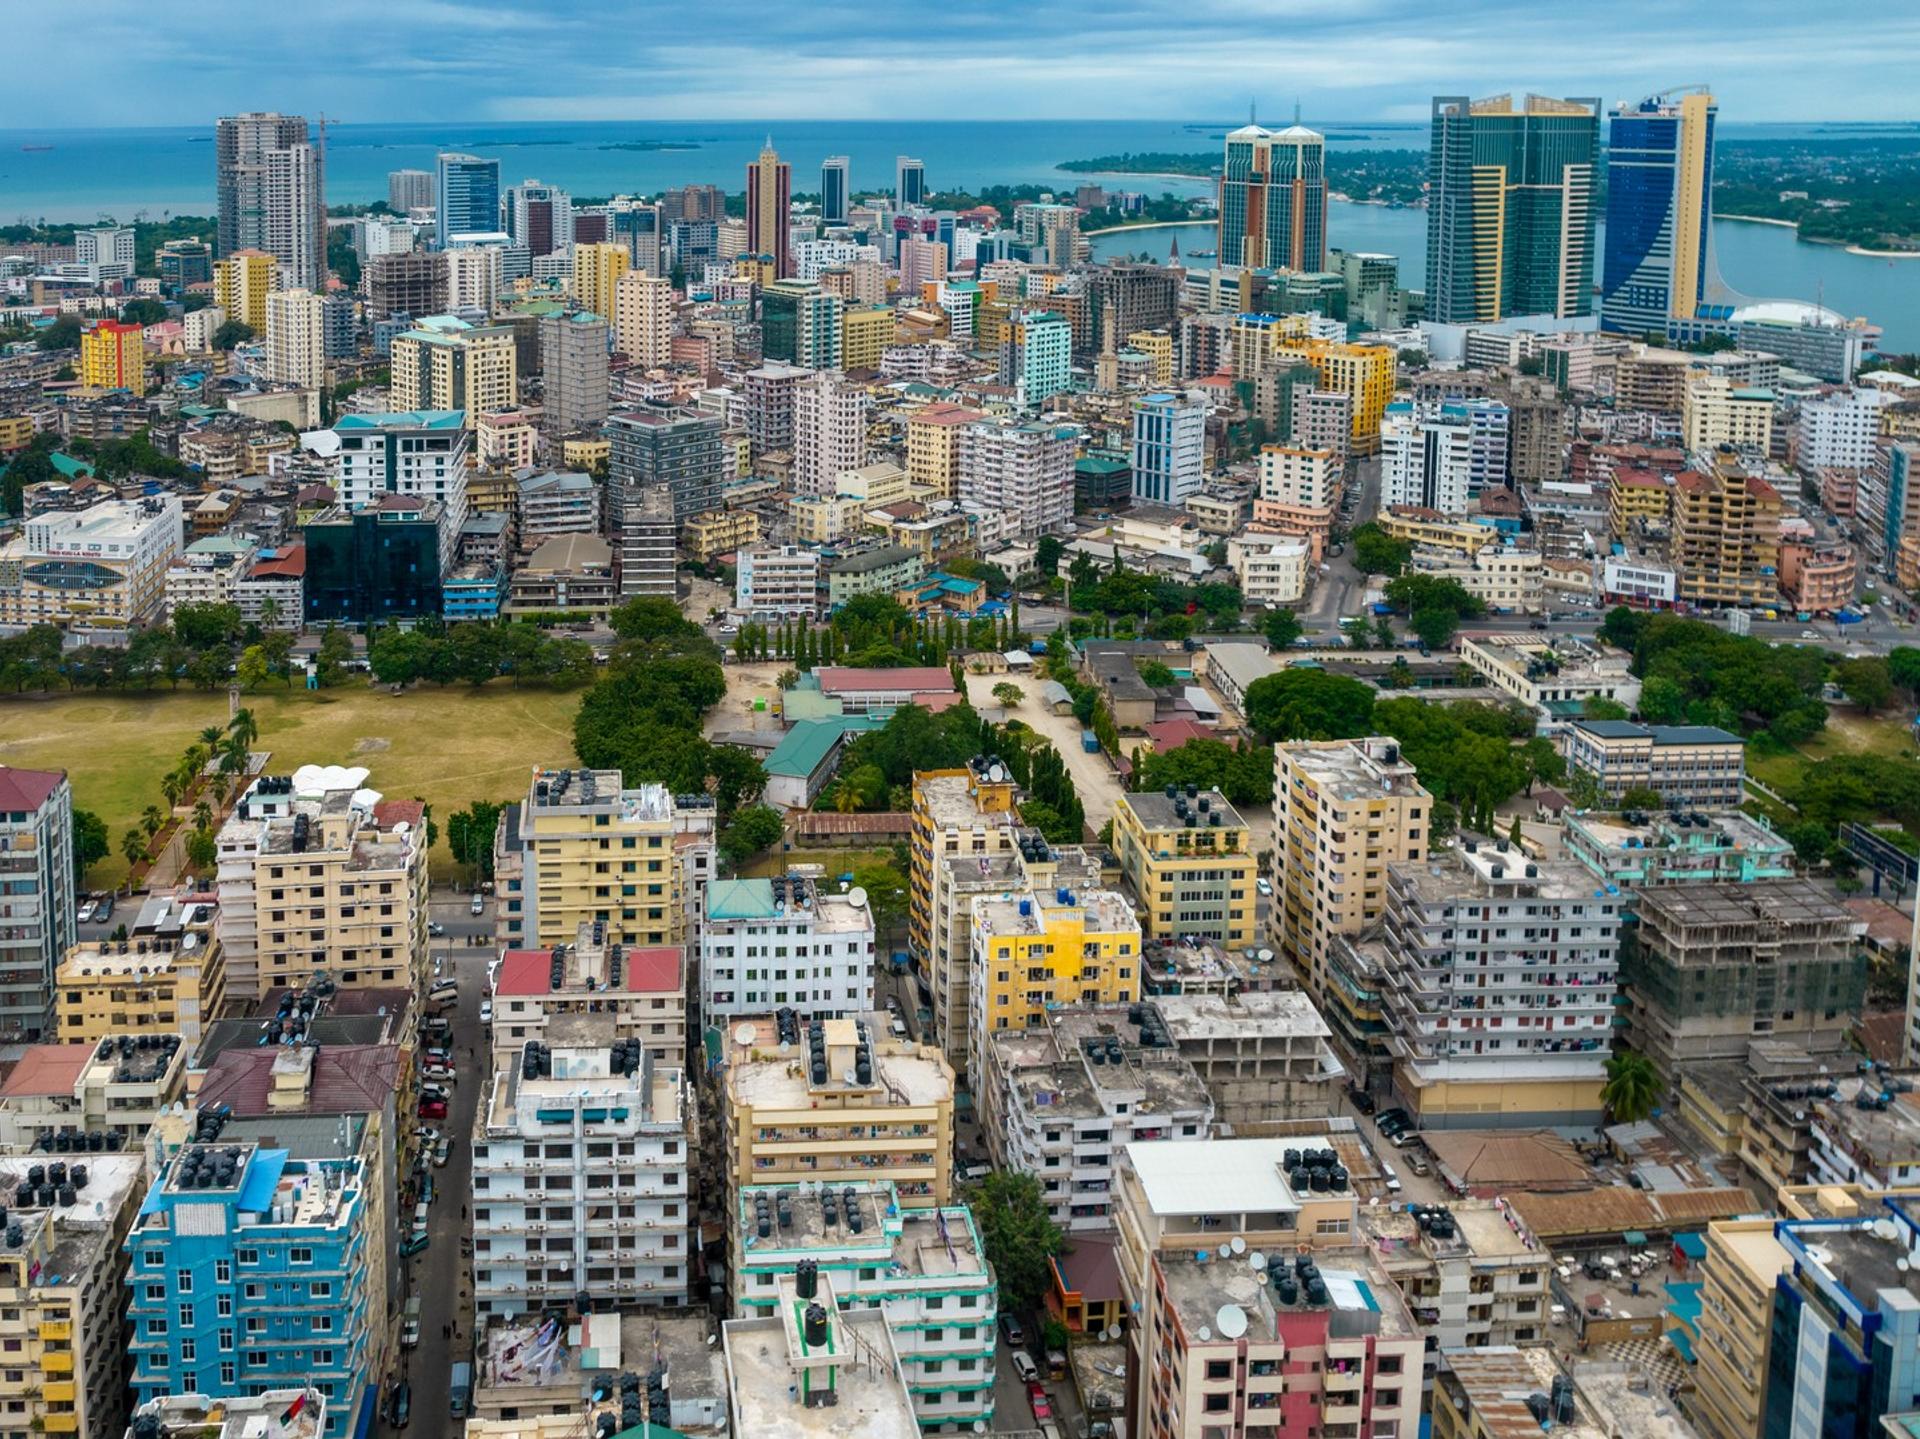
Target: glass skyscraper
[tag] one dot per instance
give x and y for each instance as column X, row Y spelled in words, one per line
column 1510, row 208
column 1273, row 200
column 833, row 189
column 466, row 197
column 1659, row 257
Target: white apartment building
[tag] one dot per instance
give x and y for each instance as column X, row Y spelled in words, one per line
column 1425, row 460
column 643, row 318
column 580, row 1160
column 1501, row 577
column 1837, row 431
column 810, row 257
column 829, row 432
column 768, row 944
column 641, row 990
column 36, row 856
column 925, row 1268
column 198, row 327
column 421, row 454
column 1061, row 1101
column 1299, row 477
column 1273, row 571
column 1023, row 470
column 1499, row 977
column 296, row 350
column 555, row 502
column 773, row 581
column 474, row 277
column 1536, row 671
column 209, row 572
column 104, row 567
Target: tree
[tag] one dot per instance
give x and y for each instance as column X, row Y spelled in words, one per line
column 1309, row 704
column 336, row 649
column 1018, row 1235
column 133, row 849
column 151, row 820
column 252, row 669
column 1601, row 708
column 1047, row 553
column 62, row 334
column 1649, row 799
column 142, row 311
column 1543, row 762
column 1008, row 694
column 886, row 891
column 1435, row 626
column 1867, row 681
column 1516, row 835
column 1632, row 1090
column 1375, row 552
column 753, row 829
column 1154, row 673
column 470, row 834
column 1903, row 668
column 201, row 851
column 205, row 627
column 89, row 844
column 234, row 332
column 1662, row 701
column 1281, row 627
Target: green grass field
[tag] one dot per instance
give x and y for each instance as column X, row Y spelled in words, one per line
column 449, row 746
column 1847, row 732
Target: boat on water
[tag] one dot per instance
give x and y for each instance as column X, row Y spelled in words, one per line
column 31, row 149
column 1203, row 254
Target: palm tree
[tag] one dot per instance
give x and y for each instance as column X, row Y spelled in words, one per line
column 151, row 819
column 221, row 784
column 845, row 800
column 269, row 612
column 173, row 786
column 211, row 736
column 244, row 728
column 1632, row 1090
column 203, row 815
column 134, row 847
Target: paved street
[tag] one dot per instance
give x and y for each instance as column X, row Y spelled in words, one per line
column 441, row 1275
column 1093, row 778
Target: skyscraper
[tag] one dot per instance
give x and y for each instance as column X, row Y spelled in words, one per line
column 769, row 196
column 1273, row 200
column 270, row 187
column 1169, row 448
column 573, row 369
column 1510, row 207
column 539, row 217
column 909, row 182
column 1659, row 259
column 833, row 189
column 409, row 190
column 466, row 196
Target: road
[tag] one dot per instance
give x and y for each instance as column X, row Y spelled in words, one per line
column 1339, row 591
column 442, row 1275
column 1093, row 778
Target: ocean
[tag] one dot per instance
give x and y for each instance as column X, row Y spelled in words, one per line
column 127, row 174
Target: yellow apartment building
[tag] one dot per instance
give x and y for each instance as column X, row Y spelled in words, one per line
column 1189, row 859
column 596, row 850
column 1726, row 535
column 241, row 284
column 113, row 356
column 141, row 986
column 589, row 453
column 789, row 1122
column 1366, row 373
column 718, row 532
column 597, row 268
column 933, row 447
column 1713, row 412
column 864, row 337
column 1343, row 811
column 1038, row 949
column 1727, row 1399
column 447, row 364
column 1430, row 527
column 1156, row 345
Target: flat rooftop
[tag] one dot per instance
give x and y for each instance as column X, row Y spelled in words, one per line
column 872, row 1401
column 1725, row 830
column 200, row 1416
column 1361, row 1297
column 915, row 1243
column 1360, row 769
column 1773, row 901
column 1268, row 1012
column 918, row 1073
column 1190, row 1180
column 1156, row 811
column 1105, row 911
column 1865, row 1258
column 949, row 801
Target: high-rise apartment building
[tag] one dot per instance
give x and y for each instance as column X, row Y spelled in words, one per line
column 637, row 225
column 1737, row 1280
column 248, row 1268
column 770, row 391
column 409, row 190
column 597, row 269
column 539, row 218
column 1343, row 811
column 1364, row 374
column 1442, row 456
column 241, row 283
column 835, row 197
column 825, row 944
column 643, row 318
column 466, row 197
column 922, row 262
column 113, row 357
column 475, row 277
column 778, row 582
column 1716, row 413
column 1659, row 260
column 1023, row 470
column 1169, row 448
column 1036, row 357
column 168, row 976
column 1189, row 858
column 909, row 183
column 1726, row 535
column 447, row 364
column 800, row 324
column 296, row 343
column 36, row 855
column 314, row 876
column 769, row 199
column 339, row 327
column 605, row 1115
column 270, row 193
column 1887, row 512
column 410, row 284
column 829, row 433
column 663, row 447
column 1510, row 216
column 573, row 370
column 933, row 446
column 1273, row 200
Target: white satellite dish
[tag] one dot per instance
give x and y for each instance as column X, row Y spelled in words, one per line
column 1239, row 1245
column 1205, row 1334
column 1231, row 1321
column 1257, row 1261
column 857, row 897
column 1226, row 1250
column 743, row 1034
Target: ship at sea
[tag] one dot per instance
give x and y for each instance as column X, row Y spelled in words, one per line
column 33, row 149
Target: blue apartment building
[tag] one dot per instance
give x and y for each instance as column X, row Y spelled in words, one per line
column 247, row 1272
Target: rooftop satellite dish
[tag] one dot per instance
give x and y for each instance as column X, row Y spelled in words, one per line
column 1226, row 1249
column 1238, row 1244
column 1231, row 1321
column 857, row 897
column 188, row 943
column 1205, row 1334
column 743, row 1034
column 1257, row 1261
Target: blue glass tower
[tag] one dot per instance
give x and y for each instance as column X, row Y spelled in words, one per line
column 466, row 196
column 1658, row 264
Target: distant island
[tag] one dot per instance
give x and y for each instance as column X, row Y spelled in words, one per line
column 652, row 145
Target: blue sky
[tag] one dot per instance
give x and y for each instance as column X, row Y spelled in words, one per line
column 182, row 61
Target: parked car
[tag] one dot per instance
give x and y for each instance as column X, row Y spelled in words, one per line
column 1419, row 1166
column 400, row 1406
column 427, row 1134
column 479, row 905
column 440, row 1073
column 486, row 1011
column 1393, row 1180
column 85, row 915
column 440, row 1152
column 435, row 928
column 1012, row 1331
column 103, row 911
column 1024, row 1368
column 1391, row 1120
column 1037, row 1398
column 1362, row 1100
column 414, row 1243
column 410, row 1325
column 433, row 1109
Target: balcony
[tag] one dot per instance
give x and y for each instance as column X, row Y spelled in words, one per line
column 58, row 1361
column 57, row 1329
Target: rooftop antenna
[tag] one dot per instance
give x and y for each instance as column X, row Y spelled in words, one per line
column 1252, row 118
column 1296, row 111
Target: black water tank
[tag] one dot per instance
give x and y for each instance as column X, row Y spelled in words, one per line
column 815, row 1326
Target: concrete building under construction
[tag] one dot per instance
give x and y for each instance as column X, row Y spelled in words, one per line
column 1713, row 967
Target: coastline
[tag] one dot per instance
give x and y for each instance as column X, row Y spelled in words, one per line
column 1140, row 174
column 1860, row 250
column 1146, row 225
column 1882, row 254
column 1759, row 220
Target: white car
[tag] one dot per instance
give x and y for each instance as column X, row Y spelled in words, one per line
column 1025, row 1368
column 486, row 1011
column 86, row 912
column 479, row 905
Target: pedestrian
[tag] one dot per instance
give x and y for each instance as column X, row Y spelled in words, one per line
column 463, row 1211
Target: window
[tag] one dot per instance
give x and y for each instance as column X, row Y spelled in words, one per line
column 223, row 1271
column 300, row 1256
column 187, row 1351
column 183, row 1280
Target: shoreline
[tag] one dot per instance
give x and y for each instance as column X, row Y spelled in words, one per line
column 1147, row 225
column 1865, row 253
column 1760, row 220
column 1140, row 174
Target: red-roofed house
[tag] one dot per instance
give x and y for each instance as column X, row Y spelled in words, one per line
column 865, row 689
column 1085, row 1293
column 1171, row 734
column 631, row 993
column 280, row 576
column 91, row 1088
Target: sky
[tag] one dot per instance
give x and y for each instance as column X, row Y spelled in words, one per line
column 176, row 62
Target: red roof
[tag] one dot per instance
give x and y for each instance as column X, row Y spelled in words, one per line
column 47, row 1069
column 347, row 1079
column 1089, row 1269
column 23, row 789
column 841, row 677
column 290, row 561
column 390, row 812
column 945, row 414
column 1638, row 479
column 642, row 971
column 1171, row 734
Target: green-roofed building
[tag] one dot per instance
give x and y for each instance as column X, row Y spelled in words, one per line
column 806, row 758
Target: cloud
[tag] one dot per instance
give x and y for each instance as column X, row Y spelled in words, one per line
column 441, row 60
